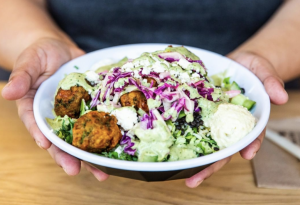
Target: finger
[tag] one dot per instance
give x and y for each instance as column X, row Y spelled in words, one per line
column 36, row 64
column 25, row 111
column 198, row 178
column 100, row 176
column 276, row 91
column 70, row 164
column 250, row 151
column 23, row 76
column 265, row 71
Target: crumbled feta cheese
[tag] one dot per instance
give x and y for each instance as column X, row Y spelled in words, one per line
column 136, row 74
column 126, row 117
column 141, row 62
column 167, row 64
column 128, row 67
column 184, row 77
column 92, row 76
column 146, row 70
column 158, row 67
column 174, row 72
column 195, row 75
column 183, row 63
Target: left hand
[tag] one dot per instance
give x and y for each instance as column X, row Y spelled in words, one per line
column 274, row 86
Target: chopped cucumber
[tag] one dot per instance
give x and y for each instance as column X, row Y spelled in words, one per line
column 243, row 101
column 234, row 86
column 249, row 104
column 239, row 99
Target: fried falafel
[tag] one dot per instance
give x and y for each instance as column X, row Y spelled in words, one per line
column 67, row 102
column 96, row 132
column 136, row 99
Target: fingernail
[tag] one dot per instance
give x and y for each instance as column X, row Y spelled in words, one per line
column 199, row 182
column 65, row 169
column 8, row 84
column 253, row 155
column 39, row 144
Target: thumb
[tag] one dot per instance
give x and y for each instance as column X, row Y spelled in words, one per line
column 265, row 71
column 36, row 64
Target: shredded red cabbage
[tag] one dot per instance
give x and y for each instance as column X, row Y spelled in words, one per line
column 95, row 99
column 175, row 56
column 147, row 92
column 126, row 140
column 148, row 119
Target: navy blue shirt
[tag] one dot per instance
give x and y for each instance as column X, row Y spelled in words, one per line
column 215, row 25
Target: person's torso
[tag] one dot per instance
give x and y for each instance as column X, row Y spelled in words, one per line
column 216, row 25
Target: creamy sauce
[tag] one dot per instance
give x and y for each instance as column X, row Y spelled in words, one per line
column 230, row 123
column 208, row 108
column 154, row 142
column 75, row 79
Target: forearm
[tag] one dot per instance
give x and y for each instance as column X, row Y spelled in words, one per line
column 279, row 41
column 22, row 22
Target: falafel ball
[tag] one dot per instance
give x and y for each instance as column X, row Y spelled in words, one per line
column 136, row 99
column 149, row 80
column 96, row 132
column 67, row 102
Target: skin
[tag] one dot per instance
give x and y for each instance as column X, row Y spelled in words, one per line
column 33, row 47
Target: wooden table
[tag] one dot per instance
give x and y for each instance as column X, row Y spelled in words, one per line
column 28, row 175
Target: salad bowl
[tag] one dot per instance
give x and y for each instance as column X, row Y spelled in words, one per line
column 152, row 171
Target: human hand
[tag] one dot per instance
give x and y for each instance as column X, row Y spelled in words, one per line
column 274, row 86
column 35, row 64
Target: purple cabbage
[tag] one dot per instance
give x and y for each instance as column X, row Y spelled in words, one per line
column 175, row 56
column 121, row 88
column 161, row 109
column 161, row 88
column 114, row 78
column 148, row 119
column 126, row 140
column 181, row 104
column 147, row 92
column 95, row 99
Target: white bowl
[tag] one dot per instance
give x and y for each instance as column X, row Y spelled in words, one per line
column 215, row 63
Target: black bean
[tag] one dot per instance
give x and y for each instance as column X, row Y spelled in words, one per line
column 243, row 90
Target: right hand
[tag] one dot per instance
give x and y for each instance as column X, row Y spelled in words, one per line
column 35, row 64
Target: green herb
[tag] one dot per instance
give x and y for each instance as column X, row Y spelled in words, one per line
column 82, row 107
column 66, row 131
column 181, row 114
column 76, row 67
column 121, row 156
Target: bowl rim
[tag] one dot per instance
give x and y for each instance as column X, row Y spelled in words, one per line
column 152, row 166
